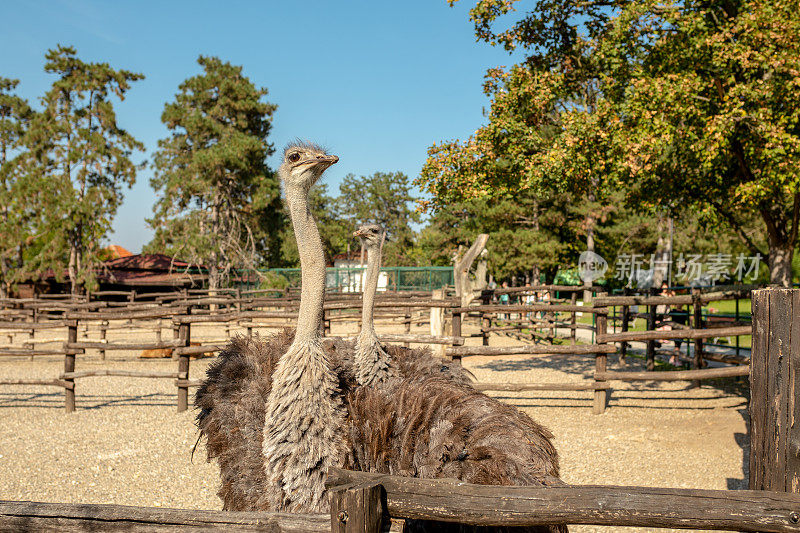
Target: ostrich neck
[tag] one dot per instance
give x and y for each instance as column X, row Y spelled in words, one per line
column 312, row 264
column 370, row 288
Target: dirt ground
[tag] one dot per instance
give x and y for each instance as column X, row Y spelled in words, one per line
column 126, row 444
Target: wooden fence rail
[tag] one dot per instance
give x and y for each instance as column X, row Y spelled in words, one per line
column 444, row 501
column 489, row 505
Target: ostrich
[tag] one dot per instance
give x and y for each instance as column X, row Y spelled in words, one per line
column 291, row 383
column 415, row 416
column 373, row 365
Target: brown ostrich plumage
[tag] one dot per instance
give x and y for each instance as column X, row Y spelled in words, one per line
column 431, row 423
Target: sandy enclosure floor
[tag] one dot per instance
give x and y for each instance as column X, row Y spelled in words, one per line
column 126, row 444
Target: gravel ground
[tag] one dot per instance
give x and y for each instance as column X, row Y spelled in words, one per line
column 126, row 444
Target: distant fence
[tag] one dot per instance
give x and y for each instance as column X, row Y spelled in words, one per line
column 349, row 279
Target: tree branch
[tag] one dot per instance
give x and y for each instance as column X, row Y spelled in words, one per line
column 736, row 226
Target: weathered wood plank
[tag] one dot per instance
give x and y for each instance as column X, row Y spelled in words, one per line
column 46, row 382
column 121, row 373
column 704, row 333
column 774, row 461
column 677, row 375
column 356, row 508
column 532, row 349
column 37, row 516
column 558, row 308
column 758, row 384
column 520, row 387
column 793, row 429
column 124, row 346
column 681, row 299
column 490, row 505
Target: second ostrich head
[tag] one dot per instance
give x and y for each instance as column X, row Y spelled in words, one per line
column 372, row 235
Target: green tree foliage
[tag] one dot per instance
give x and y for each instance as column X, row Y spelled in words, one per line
column 528, row 234
column 712, row 115
column 219, row 203
column 75, row 163
column 336, row 233
column 677, row 104
column 15, row 115
column 386, row 199
column 383, row 198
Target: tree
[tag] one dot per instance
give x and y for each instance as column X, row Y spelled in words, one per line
column 534, row 119
column 75, row 161
column 692, row 104
column 383, row 198
column 712, row 116
column 15, row 115
column 219, row 203
column 529, row 234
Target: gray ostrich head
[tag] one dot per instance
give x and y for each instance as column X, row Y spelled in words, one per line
column 372, row 235
column 303, row 164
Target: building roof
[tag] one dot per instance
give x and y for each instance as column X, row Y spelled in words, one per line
column 150, row 262
column 116, row 251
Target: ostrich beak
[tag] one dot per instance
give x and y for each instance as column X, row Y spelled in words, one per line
column 358, row 233
column 324, row 161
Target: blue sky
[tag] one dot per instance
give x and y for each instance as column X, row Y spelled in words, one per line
column 376, row 82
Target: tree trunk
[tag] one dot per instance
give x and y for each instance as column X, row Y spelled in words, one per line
column 72, row 267
column 780, row 264
column 658, row 257
column 213, row 267
column 590, row 223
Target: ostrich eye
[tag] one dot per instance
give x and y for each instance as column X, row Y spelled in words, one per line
column 294, row 158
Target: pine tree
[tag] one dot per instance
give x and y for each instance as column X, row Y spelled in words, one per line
column 76, row 161
column 383, row 198
column 219, row 203
column 15, row 115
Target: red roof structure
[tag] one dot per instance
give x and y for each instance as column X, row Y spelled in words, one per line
column 149, row 270
column 116, row 251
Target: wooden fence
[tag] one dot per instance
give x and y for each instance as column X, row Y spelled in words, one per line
column 180, row 311
column 370, row 503
column 248, row 310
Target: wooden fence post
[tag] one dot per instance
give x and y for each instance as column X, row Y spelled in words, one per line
column 698, row 324
column 437, row 320
column 407, row 319
column 69, row 365
column 184, row 335
column 573, row 322
column 600, row 365
column 774, row 382
column 357, row 508
column 651, row 344
column 626, row 318
column 486, row 321
column 103, row 332
column 456, row 333
column 32, row 334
